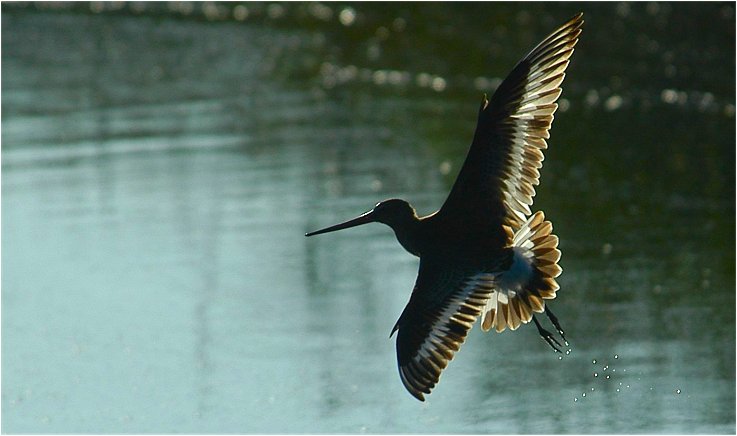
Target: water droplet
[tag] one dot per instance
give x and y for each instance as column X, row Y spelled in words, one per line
column 628, row 386
column 669, row 96
column 607, row 377
column 563, row 104
column 240, row 12
column 613, row 103
column 568, row 352
column 616, row 356
column 592, row 97
column 438, row 84
column 575, row 399
column 606, row 367
column 584, row 394
column 678, row 391
column 592, row 389
column 347, row 16
column 560, row 357
column 614, row 369
column 445, row 167
column 594, row 361
column 617, row 389
column 275, row 11
column 423, row 79
column 399, row 24
column 380, row 77
column 596, row 374
column 623, row 9
column 729, row 109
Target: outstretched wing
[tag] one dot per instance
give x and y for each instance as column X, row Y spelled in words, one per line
column 496, row 183
column 441, row 311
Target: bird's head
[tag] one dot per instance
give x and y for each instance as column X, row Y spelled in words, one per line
column 392, row 212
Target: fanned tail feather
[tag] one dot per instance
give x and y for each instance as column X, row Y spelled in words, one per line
column 530, row 279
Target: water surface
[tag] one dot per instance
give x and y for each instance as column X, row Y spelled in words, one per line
column 161, row 166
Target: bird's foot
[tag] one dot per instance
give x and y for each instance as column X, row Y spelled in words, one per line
column 549, row 338
column 556, row 324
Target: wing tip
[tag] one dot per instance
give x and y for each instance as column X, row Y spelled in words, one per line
column 410, row 383
column 577, row 20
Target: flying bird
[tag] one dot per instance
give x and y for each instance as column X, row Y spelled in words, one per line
column 484, row 253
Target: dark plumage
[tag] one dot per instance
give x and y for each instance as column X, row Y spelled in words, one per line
column 484, row 252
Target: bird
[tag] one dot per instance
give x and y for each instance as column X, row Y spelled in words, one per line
column 484, row 253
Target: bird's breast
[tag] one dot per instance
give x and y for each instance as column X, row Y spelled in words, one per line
column 410, row 242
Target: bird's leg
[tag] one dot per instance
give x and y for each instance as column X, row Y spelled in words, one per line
column 556, row 324
column 549, row 338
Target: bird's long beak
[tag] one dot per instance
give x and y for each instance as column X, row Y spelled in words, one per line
column 365, row 218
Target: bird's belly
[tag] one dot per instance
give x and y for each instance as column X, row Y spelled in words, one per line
column 519, row 272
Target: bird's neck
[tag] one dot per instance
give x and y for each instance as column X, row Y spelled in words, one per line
column 409, row 235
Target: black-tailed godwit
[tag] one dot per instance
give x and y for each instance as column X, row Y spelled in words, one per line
column 484, row 252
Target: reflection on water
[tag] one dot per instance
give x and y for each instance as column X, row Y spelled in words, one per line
column 159, row 173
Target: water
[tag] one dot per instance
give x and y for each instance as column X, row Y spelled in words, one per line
column 160, row 167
